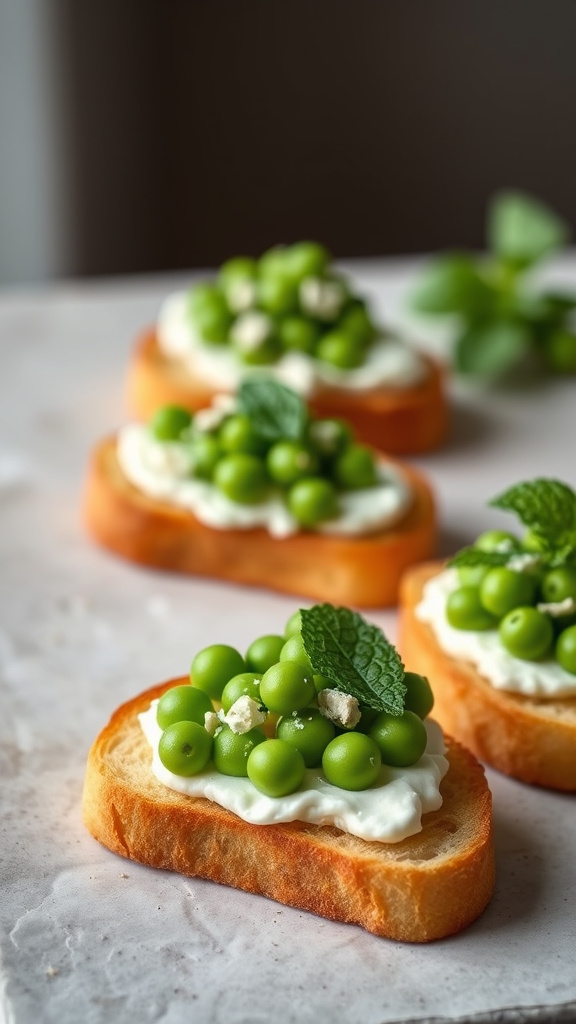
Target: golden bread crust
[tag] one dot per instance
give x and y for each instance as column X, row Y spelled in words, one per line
column 401, row 421
column 532, row 740
column 427, row 886
column 363, row 571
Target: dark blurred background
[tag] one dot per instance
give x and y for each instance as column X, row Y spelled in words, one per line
column 189, row 131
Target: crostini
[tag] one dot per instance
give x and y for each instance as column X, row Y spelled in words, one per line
column 395, row 832
column 255, row 491
column 292, row 316
column 496, row 630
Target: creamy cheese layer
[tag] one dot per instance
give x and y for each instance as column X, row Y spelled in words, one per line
column 388, row 362
column 542, row 679
column 388, row 812
column 161, row 470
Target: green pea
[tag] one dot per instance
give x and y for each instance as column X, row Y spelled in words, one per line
column 274, row 263
column 232, row 750
column 472, row 575
column 213, row 666
column 205, row 452
column 289, row 461
column 241, row 477
column 503, row 589
column 566, row 649
column 401, row 738
column 264, row 652
column 355, row 467
column 201, row 295
column 497, row 540
column 352, row 761
column 294, row 624
column 558, row 584
column 169, row 422
column 341, row 350
column 526, row 633
column 277, row 295
column 246, row 684
column 286, row 687
column 309, row 731
column 182, row 704
column 357, row 323
column 212, row 318
column 238, row 269
column 464, row 610
column 419, row 697
column 276, row 768
column 296, row 333
column 293, row 650
column 307, row 259
column 312, row 500
column 236, row 434
column 185, row 748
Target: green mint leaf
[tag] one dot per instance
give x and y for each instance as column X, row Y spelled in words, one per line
column 471, row 557
column 522, row 230
column 491, row 349
column 451, row 284
column 547, row 507
column 355, row 656
column 275, row 411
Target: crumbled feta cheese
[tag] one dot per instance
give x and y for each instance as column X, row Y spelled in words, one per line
column 557, row 608
column 211, row 418
column 241, row 294
column 251, row 330
column 245, row 714
column 340, row 708
column 524, row 562
column 212, row 722
column 323, row 299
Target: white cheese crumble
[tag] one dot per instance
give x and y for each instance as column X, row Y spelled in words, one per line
column 483, row 649
column 341, row 708
column 525, row 562
column 211, row 418
column 320, row 298
column 558, row 608
column 251, row 330
column 245, row 714
column 241, row 294
column 388, row 812
column 211, row 722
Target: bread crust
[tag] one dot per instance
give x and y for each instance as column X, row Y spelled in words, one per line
column 360, row 571
column 401, row 421
column 426, row 887
column 532, row 740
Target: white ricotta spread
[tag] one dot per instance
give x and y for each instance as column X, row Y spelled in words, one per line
column 161, row 470
column 389, row 362
column 388, row 812
column 542, row 679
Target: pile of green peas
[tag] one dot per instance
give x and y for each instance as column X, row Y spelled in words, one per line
column 308, row 473
column 505, row 599
column 337, row 330
column 276, row 672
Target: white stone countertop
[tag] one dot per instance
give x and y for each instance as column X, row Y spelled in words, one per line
column 89, row 937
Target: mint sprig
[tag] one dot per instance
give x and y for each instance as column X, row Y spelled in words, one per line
column 548, row 508
column 355, row 656
column 276, row 412
column 501, row 322
column 472, row 557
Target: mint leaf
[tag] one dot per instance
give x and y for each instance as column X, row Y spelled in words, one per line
column 521, row 230
column 548, row 508
column 355, row 656
column 491, row 349
column 471, row 557
column 451, row 284
column 275, row 411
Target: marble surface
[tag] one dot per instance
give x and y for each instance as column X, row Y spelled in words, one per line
column 88, row 936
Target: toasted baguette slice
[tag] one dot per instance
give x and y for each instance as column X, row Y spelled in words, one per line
column 532, row 740
column 363, row 571
column 401, row 421
column 425, row 887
